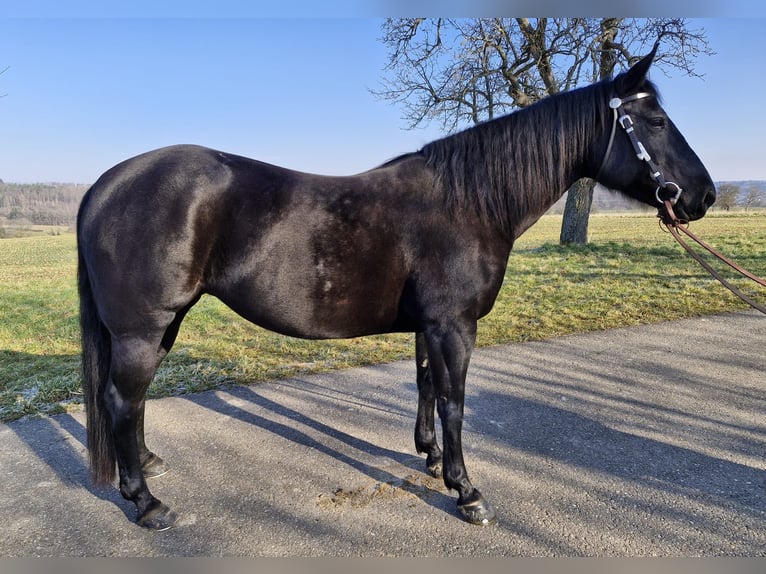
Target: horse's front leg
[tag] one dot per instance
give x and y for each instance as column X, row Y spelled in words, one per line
column 449, row 352
column 425, row 434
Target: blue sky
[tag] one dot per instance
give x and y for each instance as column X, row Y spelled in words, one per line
column 83, row 93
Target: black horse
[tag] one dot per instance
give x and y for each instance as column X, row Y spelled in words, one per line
column 419, row 244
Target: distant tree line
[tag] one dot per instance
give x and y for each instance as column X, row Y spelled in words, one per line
column 40, row 203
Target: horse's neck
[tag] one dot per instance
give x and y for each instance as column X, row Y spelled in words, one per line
column 550, row 192
column 564, row 170
column 533, row 216
column 513, row 169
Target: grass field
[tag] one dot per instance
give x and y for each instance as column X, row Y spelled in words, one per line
column 631, row 273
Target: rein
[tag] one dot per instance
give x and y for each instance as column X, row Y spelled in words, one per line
column 673, row 225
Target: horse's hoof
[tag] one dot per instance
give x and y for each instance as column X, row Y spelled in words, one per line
column 154, row 467
column 158, row 517
column 478, row 512
column 434, row 467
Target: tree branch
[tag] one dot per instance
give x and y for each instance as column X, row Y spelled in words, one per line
column 468, row 70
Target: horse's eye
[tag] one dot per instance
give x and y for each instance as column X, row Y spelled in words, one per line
column 657, row 122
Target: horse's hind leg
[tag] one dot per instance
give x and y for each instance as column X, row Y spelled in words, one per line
column 425, row 434
column 134, row 362
column 151, row 464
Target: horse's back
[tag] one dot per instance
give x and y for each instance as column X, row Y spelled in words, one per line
column 303, row 254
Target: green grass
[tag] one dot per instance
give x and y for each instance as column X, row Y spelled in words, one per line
column 631, row 273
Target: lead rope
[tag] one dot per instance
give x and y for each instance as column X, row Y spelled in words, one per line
column 673, row 224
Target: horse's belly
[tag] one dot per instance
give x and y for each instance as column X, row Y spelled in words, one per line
column 332, row 267
column 294, row 311
column 319, row 299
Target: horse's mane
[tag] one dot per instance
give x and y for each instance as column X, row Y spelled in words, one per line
column 516, row 166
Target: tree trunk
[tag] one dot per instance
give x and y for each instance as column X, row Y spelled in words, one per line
column 574, row 227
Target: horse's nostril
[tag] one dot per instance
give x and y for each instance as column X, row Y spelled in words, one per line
column 709, row 198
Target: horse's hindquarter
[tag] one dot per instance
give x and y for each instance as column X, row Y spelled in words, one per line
column 144, row 234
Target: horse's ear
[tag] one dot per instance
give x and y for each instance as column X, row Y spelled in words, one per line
column 632, row 80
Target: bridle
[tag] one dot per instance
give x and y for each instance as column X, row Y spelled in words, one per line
column 626, row 123
column 669, row 218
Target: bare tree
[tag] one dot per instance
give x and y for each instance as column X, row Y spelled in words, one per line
column 464, row 71
column 727, row 195
column 753, row 197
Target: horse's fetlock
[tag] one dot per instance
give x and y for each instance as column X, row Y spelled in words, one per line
column 133, row 489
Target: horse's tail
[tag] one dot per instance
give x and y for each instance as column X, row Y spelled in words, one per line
column 96, row 360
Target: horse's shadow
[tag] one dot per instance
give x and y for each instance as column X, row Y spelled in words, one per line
column 430, row 491
column 575, row 440
column 60, row 442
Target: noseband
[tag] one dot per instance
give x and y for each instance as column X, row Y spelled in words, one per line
column 626, row 123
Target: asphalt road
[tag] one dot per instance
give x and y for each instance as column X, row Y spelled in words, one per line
column 645, row 441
